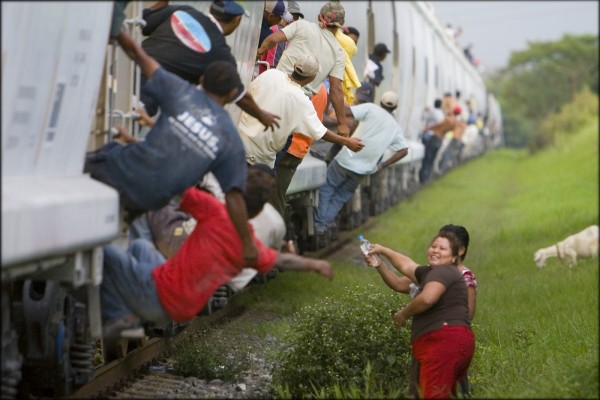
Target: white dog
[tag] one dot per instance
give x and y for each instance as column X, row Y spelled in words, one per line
column 582, row 244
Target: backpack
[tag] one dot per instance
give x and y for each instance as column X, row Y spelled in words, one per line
column 170, row 227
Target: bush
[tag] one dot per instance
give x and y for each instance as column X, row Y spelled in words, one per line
column 572, row 117
column 539, row 140
column 210, row 359
column 348, row 341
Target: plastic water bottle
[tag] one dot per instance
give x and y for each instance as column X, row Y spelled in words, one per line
column 158, row 368
column 414, row 289
column 365, row 247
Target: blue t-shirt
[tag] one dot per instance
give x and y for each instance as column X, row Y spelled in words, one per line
column 265, row 30
column 378, row 130
column 193, row 135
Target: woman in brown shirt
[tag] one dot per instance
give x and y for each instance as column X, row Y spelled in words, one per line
column 442, row 340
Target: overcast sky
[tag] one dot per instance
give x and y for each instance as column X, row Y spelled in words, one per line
column 497, row 28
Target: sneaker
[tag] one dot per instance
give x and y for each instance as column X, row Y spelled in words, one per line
column 127, row 325
column 133, row 333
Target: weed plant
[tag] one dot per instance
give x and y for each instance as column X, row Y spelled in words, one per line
column 210, row 359
column 346, row 341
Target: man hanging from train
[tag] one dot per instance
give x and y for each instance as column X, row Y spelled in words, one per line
column 378, row 130
column 316, row 39
column 185, row 41
column 434, row 142
column 374, row 69
column 139, row 285
column 282, row 93
column 193, row 135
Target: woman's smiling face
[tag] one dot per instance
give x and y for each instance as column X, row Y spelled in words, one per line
column 439, row 252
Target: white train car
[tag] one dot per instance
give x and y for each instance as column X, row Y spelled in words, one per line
column 54, row 218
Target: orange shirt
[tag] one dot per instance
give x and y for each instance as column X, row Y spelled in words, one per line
column 301, row 143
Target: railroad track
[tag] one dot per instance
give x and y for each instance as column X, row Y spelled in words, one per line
column 118, row 371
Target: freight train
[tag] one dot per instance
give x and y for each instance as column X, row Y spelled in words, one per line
column 64, row 88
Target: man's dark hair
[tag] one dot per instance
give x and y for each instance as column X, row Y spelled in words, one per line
column 220, row 77
column 437, row 103
column 260, row 186
column 297, row 77
column 220, row 16
column 461, row 234
column 353, row 30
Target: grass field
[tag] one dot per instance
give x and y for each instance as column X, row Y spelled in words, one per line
column 536, row 330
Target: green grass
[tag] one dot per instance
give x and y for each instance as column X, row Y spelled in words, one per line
column 536, row 330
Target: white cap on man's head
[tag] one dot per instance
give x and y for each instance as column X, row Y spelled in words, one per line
column 306, row 65
column 390, row 99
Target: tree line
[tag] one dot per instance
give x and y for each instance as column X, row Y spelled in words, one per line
column 538, row 84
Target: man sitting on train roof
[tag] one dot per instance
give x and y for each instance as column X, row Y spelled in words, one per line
column 281, row 93
column 193, row 135
column 139, row 285
column 184, row 41
column 379, row 130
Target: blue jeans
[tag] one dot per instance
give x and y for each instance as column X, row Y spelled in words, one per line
column 432, row 146
column 451, row 154
column 128, row 286
column 337, row 190
column 139, row 229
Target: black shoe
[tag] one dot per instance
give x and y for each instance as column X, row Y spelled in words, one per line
column 334, row 231
column 321, row 240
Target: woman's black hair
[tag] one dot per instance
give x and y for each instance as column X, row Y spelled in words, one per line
column 461, row 234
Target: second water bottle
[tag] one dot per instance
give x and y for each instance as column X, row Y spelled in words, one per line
column 365, row 247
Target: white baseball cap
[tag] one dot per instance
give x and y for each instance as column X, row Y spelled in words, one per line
column 390, row 99
column 307, row 65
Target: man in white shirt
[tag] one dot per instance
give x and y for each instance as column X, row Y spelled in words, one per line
column 282, row 94
column 379, row 130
